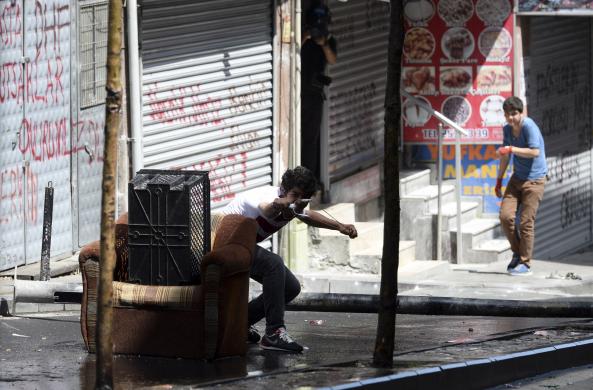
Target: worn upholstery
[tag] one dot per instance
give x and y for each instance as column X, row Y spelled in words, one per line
column 202, row 321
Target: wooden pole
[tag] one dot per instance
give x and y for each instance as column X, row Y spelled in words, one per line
column 104, row 375
column 384, row 344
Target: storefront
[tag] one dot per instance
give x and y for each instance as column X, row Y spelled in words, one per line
column 557, row 50
column 464, row 57
column 207, row 82
column 352, row 128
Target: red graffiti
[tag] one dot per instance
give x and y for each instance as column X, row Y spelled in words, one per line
column 222, row 196
column 44, row 140
column 11, row 82
column 183, row 105
column 48, row 25
column 11, row 25
column 217, row 163
column 91, row 131
column 12, row 182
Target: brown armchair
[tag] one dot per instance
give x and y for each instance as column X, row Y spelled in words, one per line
column 203, row 321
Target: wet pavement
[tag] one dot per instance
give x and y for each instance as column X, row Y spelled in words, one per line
column 46, row 351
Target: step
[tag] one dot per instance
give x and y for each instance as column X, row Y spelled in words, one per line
column 412, row 180
column 426, row 198
column 370, row 235
column 364, row 283
column 469, row 211
column 369, row 260
column 477, row 230
column 490, row 251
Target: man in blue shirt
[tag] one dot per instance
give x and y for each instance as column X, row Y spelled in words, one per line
column 525, row 190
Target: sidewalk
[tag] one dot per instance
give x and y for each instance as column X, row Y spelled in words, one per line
column 559, row 278
column 571, row 277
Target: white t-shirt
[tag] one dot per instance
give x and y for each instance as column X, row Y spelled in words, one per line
column 247, row 205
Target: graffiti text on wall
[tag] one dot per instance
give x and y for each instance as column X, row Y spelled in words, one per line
column 191, row 106
column 40, row 78
column 563, row 84
column 562, row 97
column 44, row 141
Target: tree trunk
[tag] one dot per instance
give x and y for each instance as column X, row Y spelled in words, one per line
column 384, row 344
column 104, row 375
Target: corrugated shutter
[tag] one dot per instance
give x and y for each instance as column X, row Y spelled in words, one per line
column 559, row 100
column 36, row 141
column 11, row 117
column 207, row 91
column 357, row 94
column 46, row 128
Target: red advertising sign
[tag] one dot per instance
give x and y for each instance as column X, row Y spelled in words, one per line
column 458, row 58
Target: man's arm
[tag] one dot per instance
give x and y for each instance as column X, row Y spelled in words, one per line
column 313, row 218
column 521, row 152
column 272, row 209
column 526, row 152
column 502, row 168
column 328, row 45
column 330, row 55
column 504, row 163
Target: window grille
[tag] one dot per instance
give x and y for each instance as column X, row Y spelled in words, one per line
column 93, row 53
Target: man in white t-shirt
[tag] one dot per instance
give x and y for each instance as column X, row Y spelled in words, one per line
column 273, row 208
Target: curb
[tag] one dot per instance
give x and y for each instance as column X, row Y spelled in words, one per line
column 483, row 373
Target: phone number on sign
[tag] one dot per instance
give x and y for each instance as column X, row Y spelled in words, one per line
column 482, row 133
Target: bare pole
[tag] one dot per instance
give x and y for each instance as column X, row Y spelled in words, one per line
column 113, row 104
column 384, row 344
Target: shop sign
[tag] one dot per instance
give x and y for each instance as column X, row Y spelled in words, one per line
column 458, row 58
column 554, row 5
column 479, row 170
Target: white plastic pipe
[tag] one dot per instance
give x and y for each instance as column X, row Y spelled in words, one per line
column 135, row 86
column 34, row 291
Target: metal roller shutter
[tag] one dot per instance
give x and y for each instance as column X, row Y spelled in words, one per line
column 36, row 146
column 559, row 100
column 207, row 91
column 357, row 94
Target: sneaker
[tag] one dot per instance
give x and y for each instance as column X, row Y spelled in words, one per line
column 253, row 336
column 520, row 270
column 280, row 341
column 514, row 262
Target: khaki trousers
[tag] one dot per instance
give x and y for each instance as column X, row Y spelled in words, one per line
column 526, row 196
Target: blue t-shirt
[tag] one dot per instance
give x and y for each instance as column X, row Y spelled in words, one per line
column 530, row 137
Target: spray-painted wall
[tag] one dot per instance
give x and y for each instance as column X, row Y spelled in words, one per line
column 39, row 136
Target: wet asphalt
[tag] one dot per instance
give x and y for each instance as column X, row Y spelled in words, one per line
column 46, row 351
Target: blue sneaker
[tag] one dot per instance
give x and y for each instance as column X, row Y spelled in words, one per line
column 520, row 270
column 514, row 262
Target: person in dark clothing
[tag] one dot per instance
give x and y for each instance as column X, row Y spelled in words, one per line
column 319, row 48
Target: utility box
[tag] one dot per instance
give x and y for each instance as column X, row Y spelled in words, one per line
column 168, row 226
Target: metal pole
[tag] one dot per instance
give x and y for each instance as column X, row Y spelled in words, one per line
column 48, row 206
column 458, row 194
column 440, row 192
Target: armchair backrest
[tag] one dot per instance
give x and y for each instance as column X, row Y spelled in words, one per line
column 235, row 229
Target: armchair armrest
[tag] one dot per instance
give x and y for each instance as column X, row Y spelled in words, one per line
column 231, row 258
column 233, row 246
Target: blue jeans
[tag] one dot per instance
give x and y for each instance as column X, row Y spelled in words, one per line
column 279, row 287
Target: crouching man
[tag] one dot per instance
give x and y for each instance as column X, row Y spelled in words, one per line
column 273, row 208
